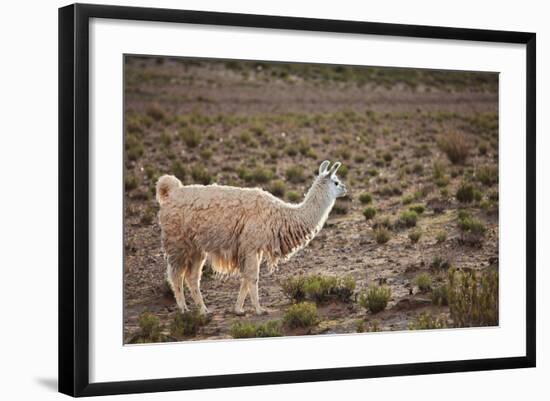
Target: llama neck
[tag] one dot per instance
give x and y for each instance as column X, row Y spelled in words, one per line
column 314, row 209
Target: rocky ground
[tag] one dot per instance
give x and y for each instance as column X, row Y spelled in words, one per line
column 248, row 124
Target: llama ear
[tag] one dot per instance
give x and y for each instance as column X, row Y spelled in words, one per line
column 324, row 167
column 334, row 168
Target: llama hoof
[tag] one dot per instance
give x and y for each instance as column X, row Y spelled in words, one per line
column 239, row 312
column 261, row 312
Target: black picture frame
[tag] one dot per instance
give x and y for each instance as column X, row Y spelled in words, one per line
column 74, row 198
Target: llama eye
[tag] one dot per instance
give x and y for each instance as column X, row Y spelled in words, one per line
column 336, row 183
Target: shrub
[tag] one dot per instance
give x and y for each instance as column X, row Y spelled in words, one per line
column 473, row 230
column 295, row 174
column 179, row 170
column 473, row 301
column 365, row 198
column 319, row 288
column 188, row 323
column 424, row 282
column 465, row 193
column 441, row 236
column 369, row 213
column 293, row 288
column 130, row 182
column 376, row 299
column 439, row 262
column 155, row 112
column 415, row 235
column 340, row 208
column 259, row 175
column 293, row 196
column 419, row 209
column 301, row 315
column 425, row 321
column 418, row 169
column 191, row 137
column 343, row 171
column 166, row 139
column 487, row 175
column 440, row 295
column 271, row 328
column 455, row 146
column 278, row 188
column 381, row 235
column 201, row 175
column 149, row 329
column 206, row 154
column 483, row 149
column 408, row 218
column 134, row 147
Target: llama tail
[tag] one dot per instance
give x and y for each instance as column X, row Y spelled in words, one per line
column 165, row 186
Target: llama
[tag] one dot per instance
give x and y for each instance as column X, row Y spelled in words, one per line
column 236, row 228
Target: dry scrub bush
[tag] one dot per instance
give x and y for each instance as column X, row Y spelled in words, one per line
column 456, row 147
column 473, row 300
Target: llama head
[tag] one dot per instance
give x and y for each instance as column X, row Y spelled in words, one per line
column 329, row 181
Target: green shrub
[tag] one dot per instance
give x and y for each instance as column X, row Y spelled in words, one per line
column 201, row 175
column 425, row 321
column 483, row 149
column 340, row 208
column 206, row 154
column 271, row 328
column 465, row 193
column 149, row 328
column 295, row 174
column 179, row 170
column 134, row 147
column 415, row 235
column 455, row 146
column 419, row 209
column 369, row 213
column 473, row 301
column 418, row 169
column 293, row 196
column 130, row 182
column 424, row 282
column 166, row 139
column 438, row 262
column 365, row 198
column 260, row 175
column 278, row 188
column 408, row 218
column 156, row 112
column 440, row 295
column 301, row 315
column 191, row 137
column 188, row 323
column 441, row 236
column 343, row 171
column 318, row 288
column 473, row 230
column 487, row 175
column 376, row 299
column 381, row 235
column 293, row 288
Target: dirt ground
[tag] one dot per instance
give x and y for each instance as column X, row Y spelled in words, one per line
column 216, row 121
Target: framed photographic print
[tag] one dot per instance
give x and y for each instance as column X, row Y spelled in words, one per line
column 276, row 199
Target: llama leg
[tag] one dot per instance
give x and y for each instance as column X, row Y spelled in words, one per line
column 193, row 279
column 175, row 279
column 243, row 291
column 252, row 274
